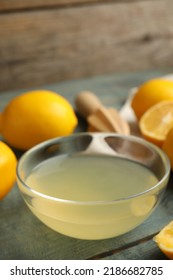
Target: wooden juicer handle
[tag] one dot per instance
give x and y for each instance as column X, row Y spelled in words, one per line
column 98, row 116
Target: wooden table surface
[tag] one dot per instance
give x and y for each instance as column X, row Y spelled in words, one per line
column 23, row 236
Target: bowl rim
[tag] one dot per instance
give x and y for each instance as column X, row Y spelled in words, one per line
column 56, row 140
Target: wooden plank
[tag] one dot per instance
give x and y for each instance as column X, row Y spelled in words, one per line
column 22, row 236
column 146, row 250
column 6, row 5
column 46, row 46
column 20, row 4
column 111, row 89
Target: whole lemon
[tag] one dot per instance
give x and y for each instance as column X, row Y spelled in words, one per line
column 36, row 116
column 150, row 93
column 8, row 164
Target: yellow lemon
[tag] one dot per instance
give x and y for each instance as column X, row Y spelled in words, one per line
column 8, row 163
column 164, row 240
column 156, row 122
column 36, row 116
column 150, row 93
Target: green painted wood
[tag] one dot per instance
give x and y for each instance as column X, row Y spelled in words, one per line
column 146, row 250
column 23, row 236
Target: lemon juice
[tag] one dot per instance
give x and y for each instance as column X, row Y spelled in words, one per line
column 90, row 178
column 83, row 190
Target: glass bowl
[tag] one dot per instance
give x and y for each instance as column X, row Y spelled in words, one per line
column 93, row 185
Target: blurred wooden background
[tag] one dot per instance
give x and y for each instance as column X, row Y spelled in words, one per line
column 46, row 41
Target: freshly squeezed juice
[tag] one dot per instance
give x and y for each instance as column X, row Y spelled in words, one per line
column 90, row 178
column 87, row 179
